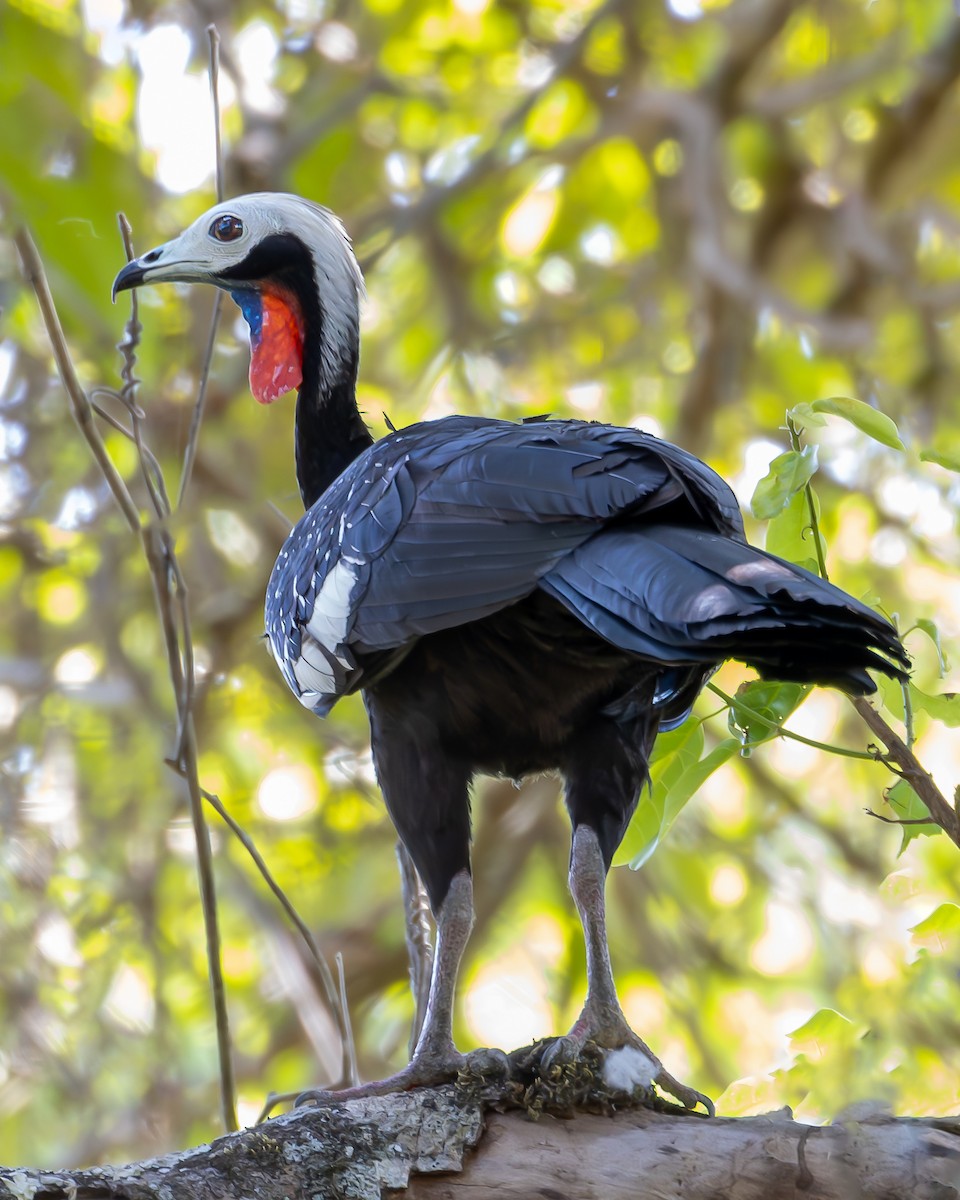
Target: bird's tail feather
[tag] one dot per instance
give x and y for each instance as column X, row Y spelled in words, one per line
column 679, row 595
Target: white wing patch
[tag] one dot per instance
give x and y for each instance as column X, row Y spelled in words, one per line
column 313, row 673
column 323, row 636
column 332, row 607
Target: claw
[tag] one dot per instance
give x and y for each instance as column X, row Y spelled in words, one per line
column 628, row 1066
column 689, row 1097
column 602, row 1021
column 563, row 1052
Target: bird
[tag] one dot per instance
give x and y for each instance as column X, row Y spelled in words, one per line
column 509, row 598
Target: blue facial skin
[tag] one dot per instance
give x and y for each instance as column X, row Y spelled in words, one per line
column 249, row 304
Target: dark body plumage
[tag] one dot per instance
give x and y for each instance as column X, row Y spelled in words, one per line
column 509, row 597
column 514, row 598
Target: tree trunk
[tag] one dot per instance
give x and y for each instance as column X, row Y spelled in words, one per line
column 434, row 1145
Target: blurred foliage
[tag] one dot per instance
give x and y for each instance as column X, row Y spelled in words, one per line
column 690, row 218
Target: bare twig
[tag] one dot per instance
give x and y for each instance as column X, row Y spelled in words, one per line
column 193, row 436
column 796, row 444
column 132, row 330
column 213, row 38
column 911, row 769
column 739, row 707
column 149, row 468
column 789, row 99
column 156, row 474
column 401, row 221
column 333, row 993
column 349, row 1045
column 82, row 409
column 158, row 548
column 900, row 757
column 900, row 820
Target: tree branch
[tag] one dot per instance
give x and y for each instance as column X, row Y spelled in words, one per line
column 413, row 1141
column 941, row 811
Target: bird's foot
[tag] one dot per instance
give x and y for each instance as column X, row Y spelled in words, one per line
column 428, row 1067
column 629, row 1065
column 425, row 1069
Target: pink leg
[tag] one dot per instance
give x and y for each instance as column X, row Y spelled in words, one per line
column 435, row 1059
column 602, row 1020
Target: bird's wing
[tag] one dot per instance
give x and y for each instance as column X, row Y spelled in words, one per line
column 682, row 595
column 446, row 522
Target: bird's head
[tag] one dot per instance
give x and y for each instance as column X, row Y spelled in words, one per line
column 289, row 265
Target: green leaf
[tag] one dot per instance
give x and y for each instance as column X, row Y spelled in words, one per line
column 942, row 926
column 891, row 692
column 803, row 414
column 789, row 534
column 682, row 744
column 770, row 700
column 933, row 633
column 943, row 707
column 826, row 1028
column 674, row 753
column 909, row 807
column 690, row 781
column 865, row 417
column 943, row 458
column 788, row 474
column 659, row 808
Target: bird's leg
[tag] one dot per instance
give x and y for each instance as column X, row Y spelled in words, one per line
column 435, row 1052
column 436, row 1058
column 602, row 1020
column 587, row 881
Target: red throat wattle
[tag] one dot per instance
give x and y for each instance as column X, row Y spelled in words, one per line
column 276, row 352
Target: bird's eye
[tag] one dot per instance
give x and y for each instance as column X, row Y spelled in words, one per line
column 226, row 228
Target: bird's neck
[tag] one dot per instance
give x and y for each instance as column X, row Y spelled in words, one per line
column 330, row 432
column 330, row 435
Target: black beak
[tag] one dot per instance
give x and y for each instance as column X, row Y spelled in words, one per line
column 130, row 277
column 135, row 272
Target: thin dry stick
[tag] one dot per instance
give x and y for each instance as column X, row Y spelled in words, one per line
column 349, row 1045
column 149, row 467
column 912, row 770
column 193, row 436
column 738, row 706
column 156, row 475
column 213, row 38
column 900, row 757
column 900, row 820
column 158, row 548
column 80, row 404
column 333, row 994
column 161, row 556
column 351, row 1073
column 175, row 620
column 170, row 593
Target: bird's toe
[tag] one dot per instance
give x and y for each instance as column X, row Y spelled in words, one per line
column 561, row 1052
column 689, row 1097
column 488, row 1062
column 316, row 1096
